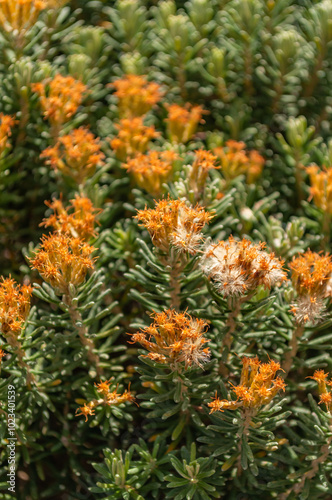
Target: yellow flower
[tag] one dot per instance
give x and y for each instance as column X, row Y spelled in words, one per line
column 136, row 95
column 151, row 170
column 62, row 260
column 177, row 338
column 173, row 223
column 75, row 155
column 59, row 97
column 258, row 386
column 133, row 138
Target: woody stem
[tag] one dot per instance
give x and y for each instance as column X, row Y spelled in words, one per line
column 175, row 284
column 82, row 330
column 291, row 354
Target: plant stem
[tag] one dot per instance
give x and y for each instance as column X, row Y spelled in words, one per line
column 291, row 354
column 326, row 230
column 82, row 330
column 247, row 415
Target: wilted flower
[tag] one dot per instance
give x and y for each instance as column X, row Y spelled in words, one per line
column 321, row 187
column 150, row 171
column 63, row 260
column 108, row 399
column 177, row 338
column 77, row 220
column 310, row 276
column 325, row 396
column 136, row 95
column 6, row 124
column 75, row 155
column 14, row 307
column 182, row 121
column 236, row 161
column 133, row 137
column 60, row 97
column 238, row 267
column 173, row 223
column 258, row 386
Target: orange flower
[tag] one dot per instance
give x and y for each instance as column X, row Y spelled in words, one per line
column 177, row 338
column 75, row 155
column 325, row 396
column 173, row 223
column 136, row 95
column 311, row 273
column 235, row 161
column 237, row 267
column 20, row 15
column 60, row 97
column 258, row 386
column 78, row 220
column 62, row 260
column 150, row 171
column 133, row 137
column 108, row 399
column 321, row 187
column 182, row 121
column 14, row 306
column 203, row 163
column 6, row 124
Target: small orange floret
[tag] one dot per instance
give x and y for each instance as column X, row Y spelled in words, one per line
column 85, row 410
column 321, row 187
column 6, row 124
column 182, row 121
column 20, row 15
column 76, row 155
column 133, row 138
column 236, row 161
column 60, row 97
column 14, row 306
column 319, row 376
column 311, row 272
column 136, row 95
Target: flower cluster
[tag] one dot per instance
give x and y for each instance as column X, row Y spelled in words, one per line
column 321, row 187
column 311, row 273
column 151, row 170
column 133, row 138
column 20, row 15
column 63, row 260
column 136, row 95
column 60, row 97
column 78, row 220
column 258, row 386
column 14, row 307
column 325, row 396
column 173, row 223
column 236, row 161
column 182, row 121
column 238, row 267
column 203, row 163
column 6, row 124
column 107, row 398
column 177, row 338
column 75, row 155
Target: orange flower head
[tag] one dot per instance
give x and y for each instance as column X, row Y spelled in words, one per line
column 325, row 395
column 6, row 124
column 152, row 170
column 85, row 410
column 321, row 187
column 311, row 273
column 258, row 386
column 20, row 15
column 109, row 399
column 136, row 95
column 173, row 223
column 14, row 306
column 63, row 260
column 235, row 161
column 177, row 338
column 60, row 97
column 198, row 173
column 237, row 267
column 182, row 121
column 133, row 138
column 77, row 220
column 75, row 155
